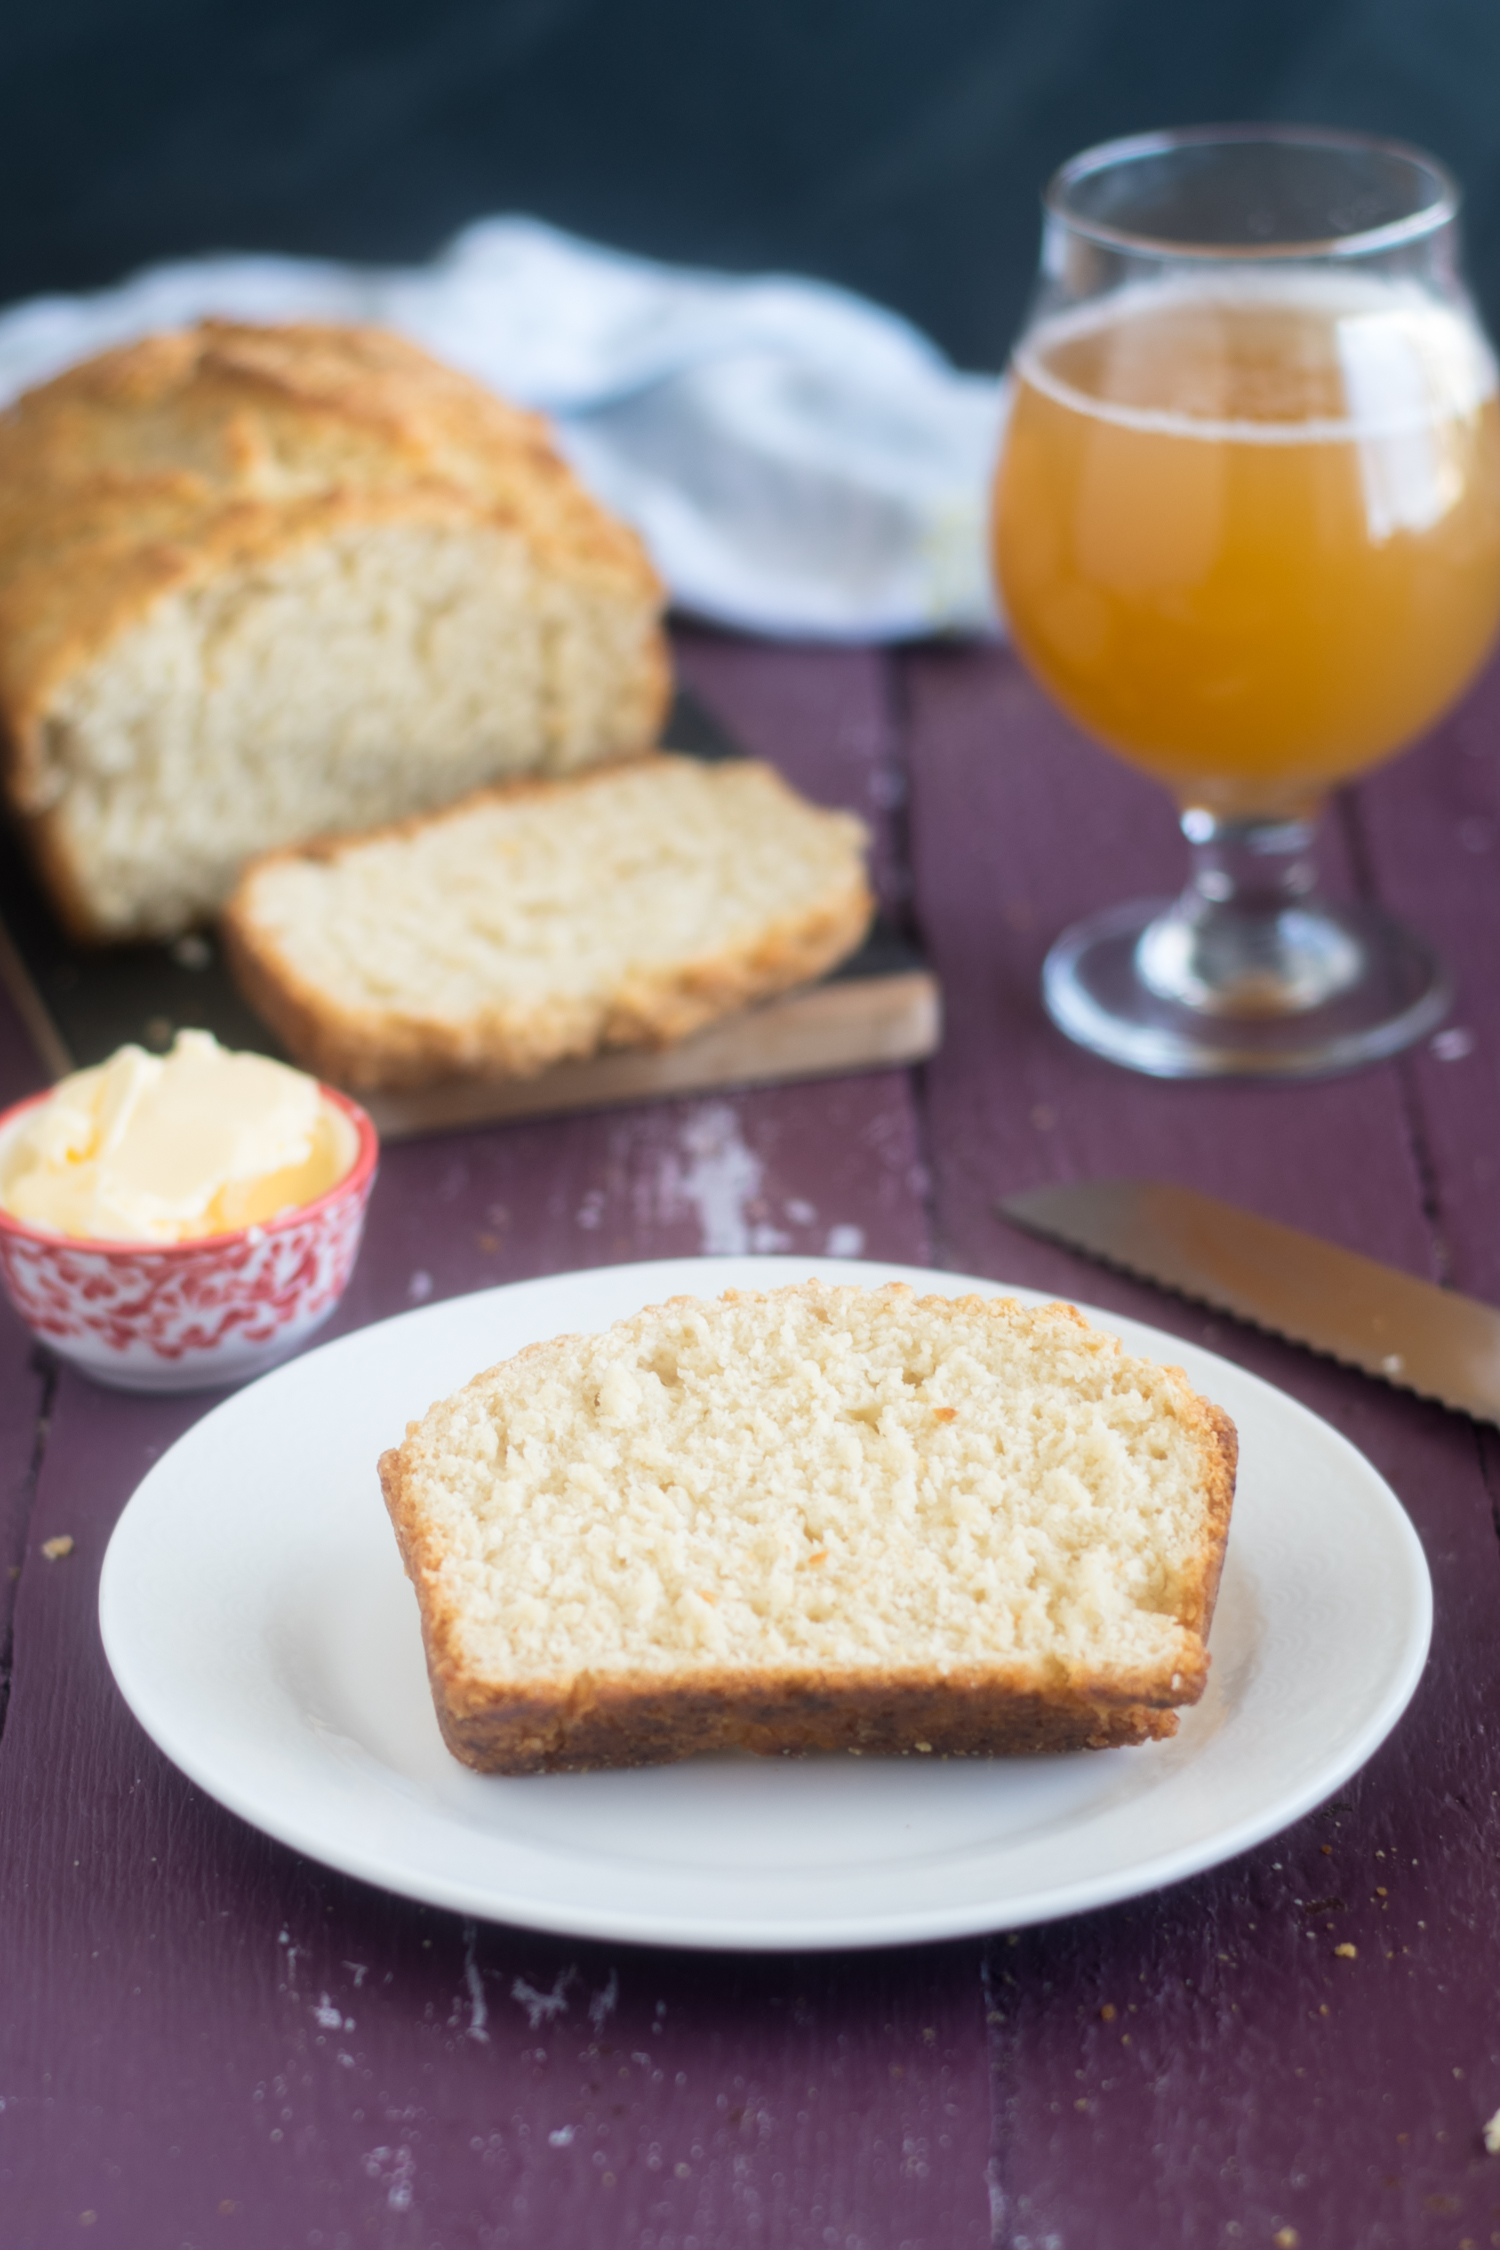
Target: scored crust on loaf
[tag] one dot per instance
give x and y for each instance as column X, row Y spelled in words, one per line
column 809, row 1519
column 261, row 583
column 626, row 907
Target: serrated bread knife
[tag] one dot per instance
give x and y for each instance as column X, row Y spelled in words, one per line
column 1402, row 1331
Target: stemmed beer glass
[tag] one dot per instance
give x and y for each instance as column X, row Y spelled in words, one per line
column 1247, row 533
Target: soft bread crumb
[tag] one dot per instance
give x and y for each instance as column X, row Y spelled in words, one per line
column 743, row 1522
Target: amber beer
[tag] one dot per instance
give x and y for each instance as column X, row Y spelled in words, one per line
column 1248, row 530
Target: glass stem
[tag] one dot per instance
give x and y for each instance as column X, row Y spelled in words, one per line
column 1248, row 936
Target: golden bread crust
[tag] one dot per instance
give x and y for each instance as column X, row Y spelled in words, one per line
column 163, row 462
column 585, row 1720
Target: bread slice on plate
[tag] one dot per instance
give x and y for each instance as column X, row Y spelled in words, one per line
column 525, row 926
column 261, row 583
column 817, row 1518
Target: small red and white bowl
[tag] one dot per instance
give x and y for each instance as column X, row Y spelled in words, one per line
column 189, row 1316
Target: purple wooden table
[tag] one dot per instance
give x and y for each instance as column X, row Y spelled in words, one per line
column 206, row 2040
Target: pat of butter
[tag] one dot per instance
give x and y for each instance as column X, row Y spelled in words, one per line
column 150, row 1148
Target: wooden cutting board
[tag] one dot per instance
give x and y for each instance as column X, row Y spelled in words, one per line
column 879, row 1010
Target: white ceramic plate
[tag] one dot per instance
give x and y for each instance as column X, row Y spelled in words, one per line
column 258, row 1621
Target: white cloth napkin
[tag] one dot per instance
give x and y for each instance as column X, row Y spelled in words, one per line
column 799, row 461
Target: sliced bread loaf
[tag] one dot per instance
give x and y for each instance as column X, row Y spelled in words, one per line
column 261, row 583
column 623, row 908
column 813, row 1519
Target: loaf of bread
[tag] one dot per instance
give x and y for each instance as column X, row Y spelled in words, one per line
column 814, row 1519
column 526, row 925
column 261, row 583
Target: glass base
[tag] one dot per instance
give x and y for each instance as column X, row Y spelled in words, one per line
column 1385, row 988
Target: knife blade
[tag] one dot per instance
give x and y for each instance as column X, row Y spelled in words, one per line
column 1402, row 1331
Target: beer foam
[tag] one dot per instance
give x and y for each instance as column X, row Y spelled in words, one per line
column 1406, row 360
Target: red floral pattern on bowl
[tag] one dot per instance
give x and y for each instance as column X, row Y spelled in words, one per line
column 187, row 1316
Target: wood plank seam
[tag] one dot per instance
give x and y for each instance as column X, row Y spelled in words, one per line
column 1349, row 812
column 1487, row 1443
column 896, row 703
column 994, row 1982
column 905, row 912
column 1424, row 1163
column 14, row 1561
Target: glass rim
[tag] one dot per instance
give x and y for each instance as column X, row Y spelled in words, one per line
column 1439, row 212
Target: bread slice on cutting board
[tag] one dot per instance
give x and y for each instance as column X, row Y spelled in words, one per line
column 530, row 925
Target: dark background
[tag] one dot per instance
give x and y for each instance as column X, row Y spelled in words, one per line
column 896, row 145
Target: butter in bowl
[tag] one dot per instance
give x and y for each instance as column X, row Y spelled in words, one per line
column 179, row 1222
